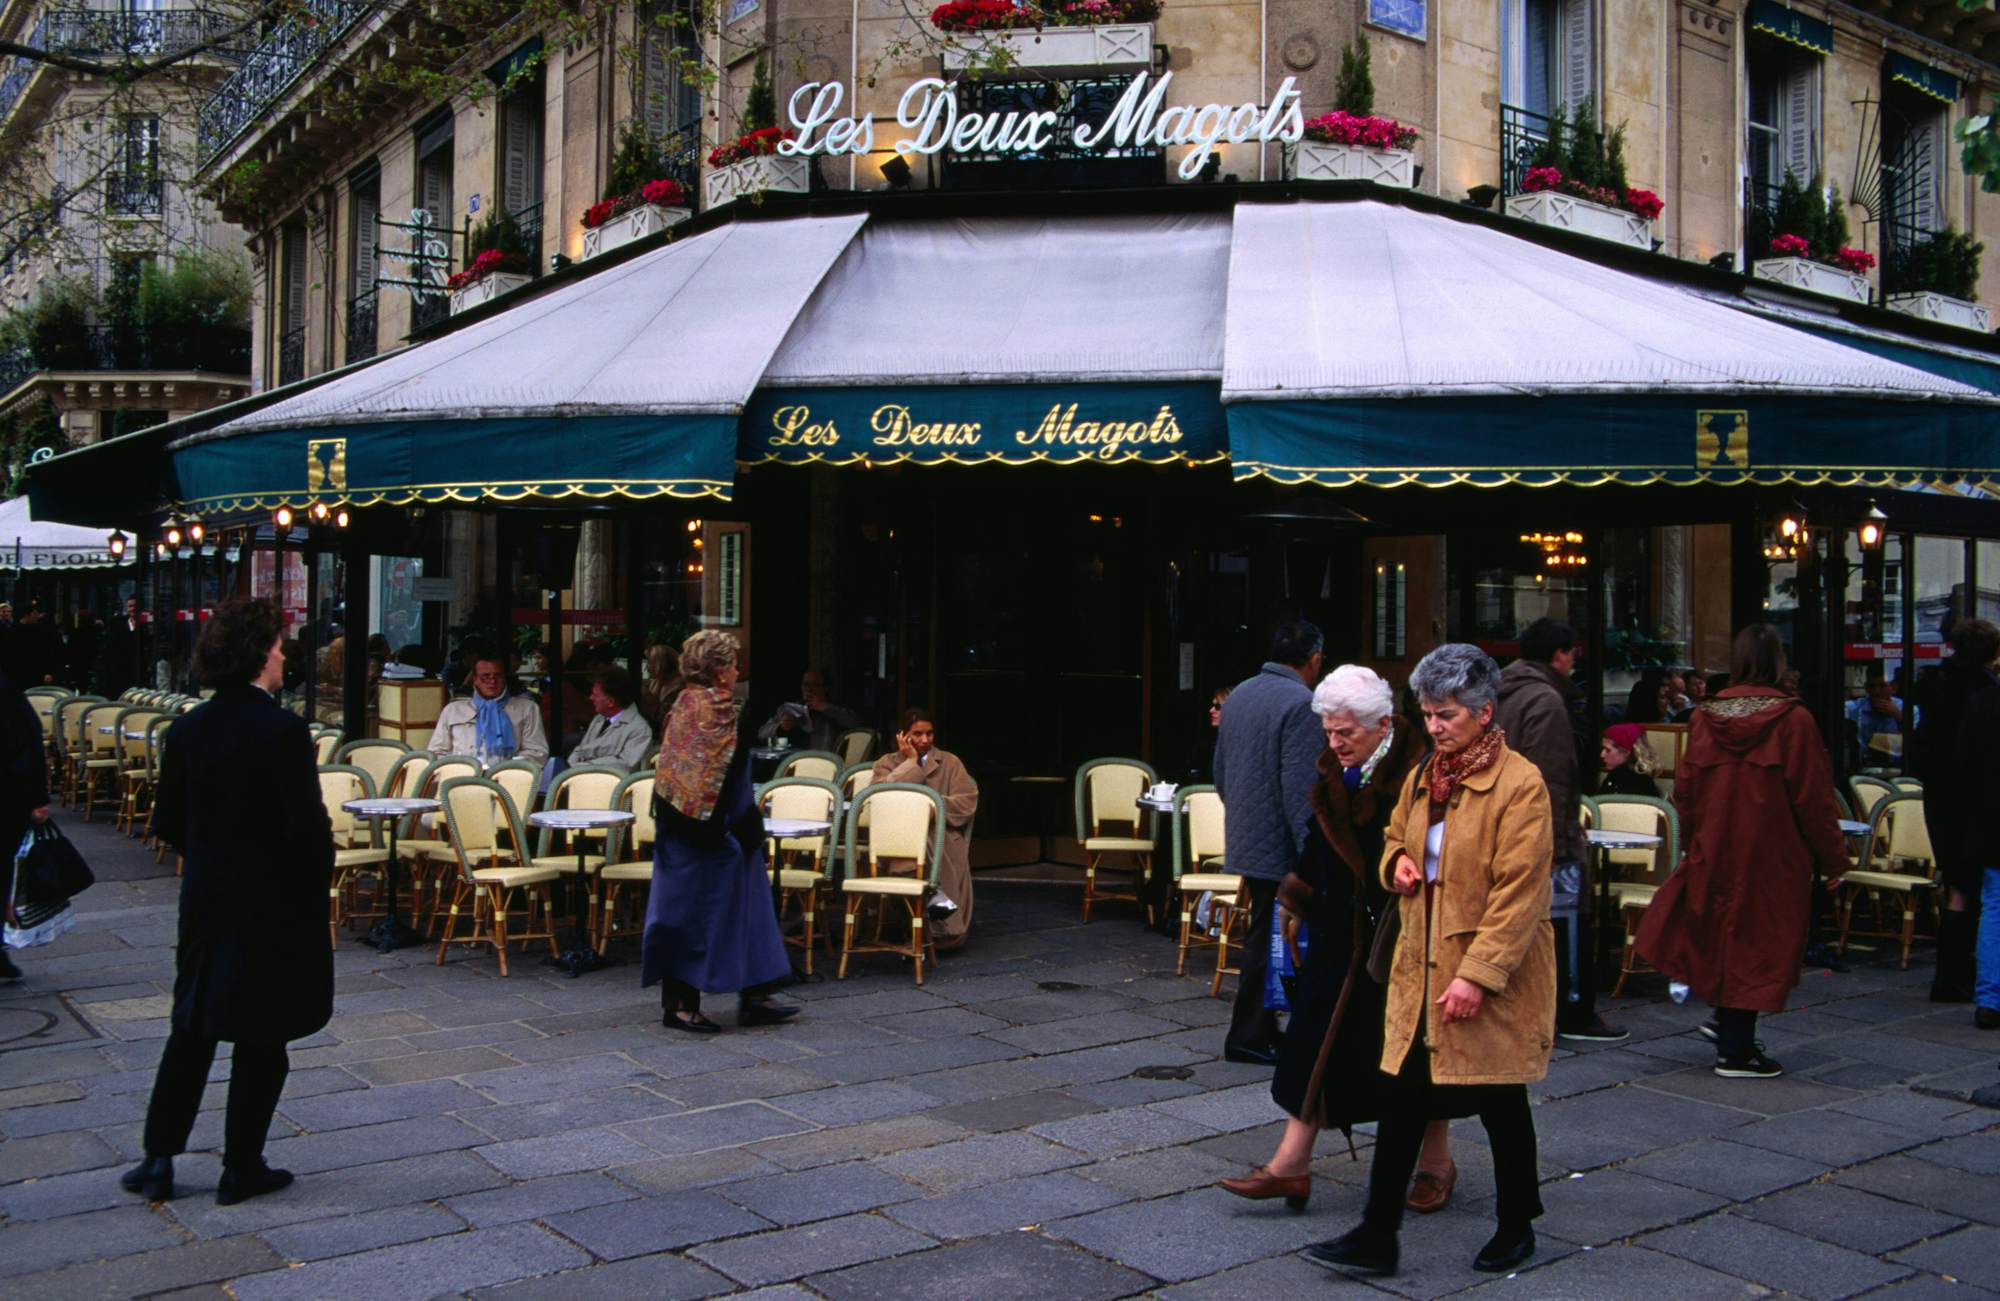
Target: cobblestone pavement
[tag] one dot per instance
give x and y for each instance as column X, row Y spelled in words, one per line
column 1004, row 1131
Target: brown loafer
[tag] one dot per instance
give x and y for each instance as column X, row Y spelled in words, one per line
column 1262, row 1185
column 1431, row 1193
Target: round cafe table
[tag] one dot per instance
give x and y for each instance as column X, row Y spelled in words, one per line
column 776, row 829
column 1602, row 840
column 391, row 933
column 579, row 957
column 1157, row 890
column 1852, row 827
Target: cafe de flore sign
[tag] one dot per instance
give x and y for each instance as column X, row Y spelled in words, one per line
column 1141, row 118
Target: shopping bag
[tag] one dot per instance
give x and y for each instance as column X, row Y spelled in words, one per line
column 29, row 925
column 50, row 870
column 1280, row 970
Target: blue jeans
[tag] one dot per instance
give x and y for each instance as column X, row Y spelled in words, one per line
column 1987, row 992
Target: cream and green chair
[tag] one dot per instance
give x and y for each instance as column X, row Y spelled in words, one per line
column 355, row 851
column 1199, row 870
column 1641, row 871
column 135, row 779
column 856, row 745
column 1896, row 860
column 906, row 824
column 375, row 756
column 1107, row 792
column 629, row 860
column 586, row 786
column 522, row 781
column 820, row 765
column 486, row 886
column 71, row 749
column 1914, row 784
column 1868, row 792
column 421, row 842
column 103, row 755
column 405, row 771
column 802, row 863
column 156, row 742
column 326, row 744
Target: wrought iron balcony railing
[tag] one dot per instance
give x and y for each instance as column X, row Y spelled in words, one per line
column 224, row 350
column 122, row 33
column 1522, row 134
column 292, row 356
column 361, row 327
column 22, row 72
column 427, row 310
column 133, row 196
column 1760, row 220
column 272, row 68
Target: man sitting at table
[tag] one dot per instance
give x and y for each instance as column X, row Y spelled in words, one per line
column 493, row 724
column 617, row 735
column 809, row 723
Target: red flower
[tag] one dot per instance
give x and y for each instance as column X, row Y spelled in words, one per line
column 663, row 193
column 755, row 144
column 1645, row 203
column 1791, row 246
column 485, row 263
column 1005, row 15
column 1343, row 128
column 600, row 212
column 980, row 16
column 1853, row 260
column 1541, row 178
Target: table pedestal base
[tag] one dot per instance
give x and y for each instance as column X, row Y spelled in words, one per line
column 391, row 934
column 579, row 958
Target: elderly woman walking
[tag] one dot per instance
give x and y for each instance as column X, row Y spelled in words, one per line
column 1326, row 1072
column 1755, row 796
column 1471, row 1001
column 710, row 926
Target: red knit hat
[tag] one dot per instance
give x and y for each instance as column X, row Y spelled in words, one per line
column 1624, row 735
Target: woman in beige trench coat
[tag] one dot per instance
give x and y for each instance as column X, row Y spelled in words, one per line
column 917, row 759
column 1471, row 999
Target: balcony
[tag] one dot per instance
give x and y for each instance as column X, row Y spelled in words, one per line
column 361, row 327
column 133, row 196
column 1760, row 220
column 272, row 68
column 1522, row 133
column 220, row 350
column 23, row 70
column 292, row 356
column 113, row 34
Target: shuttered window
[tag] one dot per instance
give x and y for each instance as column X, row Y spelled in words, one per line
column 521, row 150
column 366, row 208
column 669, row 98
column 294, row 268
column 1784, row 114
column 1550, row 54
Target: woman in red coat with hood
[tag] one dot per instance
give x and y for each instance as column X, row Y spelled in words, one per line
column 1757, row 812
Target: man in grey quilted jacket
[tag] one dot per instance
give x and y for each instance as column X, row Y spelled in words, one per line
column 1266, row 760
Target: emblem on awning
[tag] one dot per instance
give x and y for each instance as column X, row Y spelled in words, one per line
column 1722, row 440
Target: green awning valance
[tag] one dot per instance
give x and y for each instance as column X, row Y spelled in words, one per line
column 522, row 57
column 1935, row 82
column 1787, row 24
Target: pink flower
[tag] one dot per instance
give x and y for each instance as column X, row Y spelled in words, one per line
column 1644, row 203
column 1791, row 246
column 1541, row 178
column 1343, row 128
column 1853, row 260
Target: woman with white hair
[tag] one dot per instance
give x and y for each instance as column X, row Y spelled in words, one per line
column 1326, row 1072
column 1470, row 1016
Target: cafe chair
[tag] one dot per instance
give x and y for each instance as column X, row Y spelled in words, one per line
column 801, row 862
column 103, row 756
column 71, row 750
column 326, row 744
column 1908, row 784
column 522, row 781
column 1868, row 792
column 906, row 823
column 1107, row 792
column 820, row 765
column 628, row 860
column 374, row 756
column 856, row 745
column 1198, row 871
column 135, row 779
column 586, row 786
column 405, row 771
column 45, row 701
column 486, row 887
column 1896, row 860
column 352, row 858
column 1642, row 871
column 421, row 842
column 156, row 740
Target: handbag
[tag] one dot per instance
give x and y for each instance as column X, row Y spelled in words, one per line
column 29, row 925
column 1382, row 951
column 49, row 869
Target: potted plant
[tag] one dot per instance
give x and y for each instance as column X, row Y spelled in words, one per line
column 1351, row 143
column 1055, row 36
column 1936, row 279
column 503, row 263
column 638, row 201
column 1810, row 250
column 1576, row 181
column 751, row 163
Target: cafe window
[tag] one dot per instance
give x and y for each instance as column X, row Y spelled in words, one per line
column 1915, row 153
column 1938, row 587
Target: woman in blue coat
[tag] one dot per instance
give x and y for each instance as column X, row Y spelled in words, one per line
column 710, row 927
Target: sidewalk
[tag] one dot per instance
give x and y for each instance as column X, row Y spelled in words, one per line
column 1044, row 1118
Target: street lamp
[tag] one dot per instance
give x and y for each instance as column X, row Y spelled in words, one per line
column 116, row 545
column 1874, row 526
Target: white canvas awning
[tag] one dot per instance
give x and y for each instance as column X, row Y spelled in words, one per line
column 30, row 544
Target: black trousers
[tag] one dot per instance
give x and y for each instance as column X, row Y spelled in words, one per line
column 256, row 1077
column 1735, row 1032
column 1576, row 971
column 677, row 997
column 1412, row 1102
column 1251, row 1024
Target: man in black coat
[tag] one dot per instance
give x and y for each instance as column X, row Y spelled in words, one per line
column 24, row 788
column 239, row 797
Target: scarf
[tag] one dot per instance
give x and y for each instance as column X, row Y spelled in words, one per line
column 492, row 730
column 700, row 741
column 1448, row 770
column 1356, row 778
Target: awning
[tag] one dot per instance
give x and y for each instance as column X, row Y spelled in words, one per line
column 30, row 544
column 1920, row 76
column 1368, row 343
column 1788, row 24
column 628, row 383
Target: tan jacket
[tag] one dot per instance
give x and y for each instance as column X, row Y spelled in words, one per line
column 1492, row 928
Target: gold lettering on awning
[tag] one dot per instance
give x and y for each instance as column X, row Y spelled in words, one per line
column 1106, row 438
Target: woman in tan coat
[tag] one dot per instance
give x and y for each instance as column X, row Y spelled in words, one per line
column 1471, row 998
column 917, row 759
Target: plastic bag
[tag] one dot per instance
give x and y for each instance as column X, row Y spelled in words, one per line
column 31, row 924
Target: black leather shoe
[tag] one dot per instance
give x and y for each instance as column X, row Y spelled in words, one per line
column 1359, row 1251
column 254, row 1181
column 1250, row 1056
column 152, row 1179
column 699, row 1025
column 1505, row 1250
column 765, row 1013
column 1986, row 1018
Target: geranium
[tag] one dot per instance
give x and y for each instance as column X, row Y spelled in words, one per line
column 663, row 193
column 980, row 16
column 1791, row 246
column 485, row 263
column 1342, row 128
column 756, row 144
column 1004, row 15
column 1541, row 178
column 1640, row 203
column 1645, row 203
column 1854, row 261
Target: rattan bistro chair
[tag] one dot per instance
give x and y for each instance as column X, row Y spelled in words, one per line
column 1198, row 871
column 1868, row 792
column 352, row 859
column 1896, row 859
column 1108, row 791
column 103, row 756
column 376, row 757
column 820, row 765
column 485, row 886
column 802, row 862
column 135, row 778
column 856, row 745
column 421, row 842
column 629, row 859
column 906, row 822
column 1642, row 871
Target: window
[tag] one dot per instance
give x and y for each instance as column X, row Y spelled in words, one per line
column 1784, row 114
column 1913, row 158
column 1548, row 52
column 669, row 95
column 434, row 196
column 292, row 271
column 364, row 205
column 519, row 183
column 134, row 184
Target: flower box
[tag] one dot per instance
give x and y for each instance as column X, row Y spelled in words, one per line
column 1942, row 308
column 1056, row 49
column 485, row 290
column 1567, row 212
column 766, row 172
column 1314, row 160
column 1813, row 277
column 646, row 219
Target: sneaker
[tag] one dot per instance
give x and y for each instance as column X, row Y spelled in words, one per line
column 1754, row 1067
column 1710, row 1031
column 1597, row 1032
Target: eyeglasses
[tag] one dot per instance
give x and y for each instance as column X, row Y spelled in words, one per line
column 489, row 677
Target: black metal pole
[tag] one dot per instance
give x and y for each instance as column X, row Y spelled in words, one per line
column 354, row 669
column 309, row 634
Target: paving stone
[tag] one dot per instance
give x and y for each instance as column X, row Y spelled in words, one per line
column 352, row 1191
column 374, row 1106
column 793, row 1253
column 1116, row 1061
column 820, row 1194
column 939, row 1023
column 347, row 1054
column 913, row 1059
column 54, row 1196
column 418, row 1271
column 521, row 1042
column 1620, row 1271
column 1763, row 1254
column 1018, row 1111
column 855, row 1104
column 564, row 1153
column 33, row 1246
column 582, row 1111
column 364, row 1144
column 1010, row 1204
column 1280, row 1276
column 656, row 1278
column 714, row 1127
column 1863, row 1075
column 760, row 1081
column 1134, row 1093
column 539, row 1082
column 1605, row 1206
column 1190, row 1234
column 84, row 1113
column 377, row 1025
column 1922, row 1183
column 1727, row 1169
column 1849, row 1218
column 1225, row 1110
column 1437, row 1259
column 1004, row 1265
column 674, row 1174
column 430, row 1066
column 1036, row 1009
column 1920, row 1113
column 1977, row 1153
column 1930, row 1287
column 1074, row 1033
column 531, row 1045
column 1157, row 1173
column 1905, row 1052
column 972, row 1162
column 980, row 1083
column 1809, row 1136
column 1971, row 1255
column 36, row 1095
column 645, row 1225
column 487, row 1009
column 346, row 1234
column 537, row 1199
column 161, row 1272
column 1610, row 1125
column 51, row 1154
column 877, row 1138
column 1114, row 1133
column 843, row 1001
column 1789, row 1092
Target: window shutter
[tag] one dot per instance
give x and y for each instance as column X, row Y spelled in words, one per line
column 1577, row 36
column 516, row 187
column 656, row 92
column 295, row 278
column 1801, row 121
column 1536, row 61
column 436, row 190
column 366, row 209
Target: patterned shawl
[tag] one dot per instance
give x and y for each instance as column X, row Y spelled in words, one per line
column 699, row 742
column 1447, row 770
